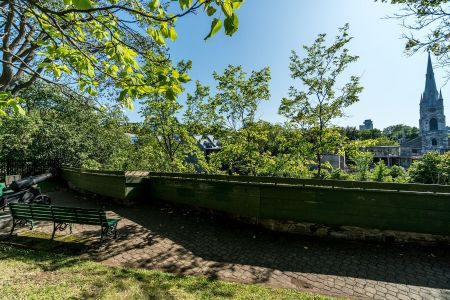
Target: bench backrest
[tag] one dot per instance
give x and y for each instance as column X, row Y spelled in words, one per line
column 63, row 214
column 90, row 216
column 31, row 211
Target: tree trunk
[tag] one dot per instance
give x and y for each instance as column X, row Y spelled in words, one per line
column 319, row 165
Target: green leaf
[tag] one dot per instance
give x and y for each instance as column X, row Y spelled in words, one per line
column 184, row 78
column 176, row 89
column 231, row 25
column 215, row 27
column 170, row 94
column 91, row 91
column 210, row 11
column 156, row 35
column 122, row 95
column 172, row 34
column 227, row 8
column 56, row 72
column 114, row 69
column 154, row 4
column 82, row 4
column 185, row 4
column 165, row 32
column 237, row 4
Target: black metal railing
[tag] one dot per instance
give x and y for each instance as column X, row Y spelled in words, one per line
column 26, row 168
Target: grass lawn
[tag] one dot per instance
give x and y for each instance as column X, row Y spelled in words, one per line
column 37, row 274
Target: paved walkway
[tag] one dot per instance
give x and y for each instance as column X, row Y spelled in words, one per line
column 160, row 236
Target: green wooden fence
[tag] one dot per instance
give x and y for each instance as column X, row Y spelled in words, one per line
column 387, row 206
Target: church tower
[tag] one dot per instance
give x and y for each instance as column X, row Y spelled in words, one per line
column 433, row 131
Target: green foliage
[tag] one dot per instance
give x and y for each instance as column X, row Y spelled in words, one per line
column 382, row 141
column 238, row 97
column 427, row 23
column 230, row 117
column 338, row 174
column 9, row 102
column 91, row 164
column 399, row 174
column 168, row 136
column 381, row 172
column 57, row 128
column 374, row 137
column 369, row 134
column 362, row 161
column 319, row 103
column 93, row 43
column 200, row 116
column 400, row 131
column 433, row 168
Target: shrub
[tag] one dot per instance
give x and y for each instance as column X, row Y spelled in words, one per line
column 381, row 172
column 433, row 168
column 362, row 164
column 339, row 174
column 91, row 164
column 399, row 174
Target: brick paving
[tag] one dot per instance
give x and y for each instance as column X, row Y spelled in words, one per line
column 182, row 241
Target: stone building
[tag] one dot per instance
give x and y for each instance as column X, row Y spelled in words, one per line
column 368, row 124
column 433, row 130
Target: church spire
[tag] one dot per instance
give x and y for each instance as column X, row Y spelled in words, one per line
column 430, row 94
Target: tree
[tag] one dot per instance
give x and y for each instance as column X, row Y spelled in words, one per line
column 173, row 138
column 433, row 168
column 57, row 128
column 351, row 133
column 230, row 116
column 368, row 134
column 238, row 97
column 322, row 101
column 428, row 22
column 381, row 172
column 78, row 44
column 200, row 116
column 401, row 132
column 399, row 174
column 362, row 162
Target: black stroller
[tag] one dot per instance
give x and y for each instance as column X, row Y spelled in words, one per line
column 25, row 191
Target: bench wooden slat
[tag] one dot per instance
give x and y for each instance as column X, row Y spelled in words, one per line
column 63, row 215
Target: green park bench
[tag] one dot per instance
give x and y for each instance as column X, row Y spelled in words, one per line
column 62, row 217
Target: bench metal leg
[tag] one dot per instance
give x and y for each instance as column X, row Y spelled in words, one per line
column 102, row 233
column 54, row 230
column 20, row 222
column 61, row 227
column 12, row 228
column 108, row 231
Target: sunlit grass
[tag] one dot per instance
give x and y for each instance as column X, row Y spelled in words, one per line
column 37, row 274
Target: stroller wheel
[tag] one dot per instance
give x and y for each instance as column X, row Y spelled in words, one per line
column 42, row 199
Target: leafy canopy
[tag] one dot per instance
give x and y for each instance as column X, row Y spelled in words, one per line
column 321, row 100
column 427, row 22
column 82, row 44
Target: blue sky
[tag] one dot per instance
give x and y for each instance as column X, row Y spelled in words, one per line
column 269, row 30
